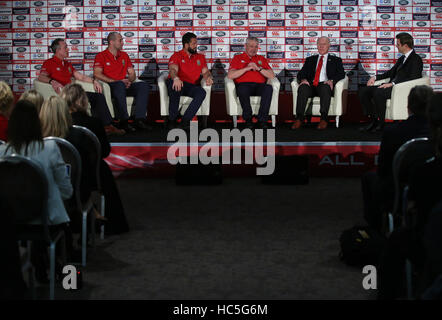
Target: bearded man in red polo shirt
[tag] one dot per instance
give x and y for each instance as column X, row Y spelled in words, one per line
column 185, row 69
column 250, row 72
column 59, row 72
column 114, row 67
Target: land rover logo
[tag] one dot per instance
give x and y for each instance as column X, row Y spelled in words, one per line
column 385, row 16
column 438, row 73
column 37, row 67
column 38, row 3
column 257, row 9
column 202, row 48
column 75, row 41
column 294, row 48
column 38, row 35
column 21, row 49
column 56, row 24
column 110, row 16
column 165, row 9
column 438, row 10
column 147, row 55
column 312, row 1
column 147, row 23
column 385, row 48
column 330, row 23
column 293, row 16
column 21, row 81
column 422, row 55
column 239, row 23
column 421, row 24
column 349, row 41
column 312, row 34
column 438, row 41
column 220, row 1
column 165, row 41
column 220, row 34
column 349, row 9
column 403, row 2
column 129, row 34
column 128, row 2
column 21, row 18
column 202, row 15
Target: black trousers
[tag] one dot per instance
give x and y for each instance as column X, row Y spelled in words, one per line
column 99, row 107
column 196, row 92
column 245, row 90
column 323, row 91
column 374, row 101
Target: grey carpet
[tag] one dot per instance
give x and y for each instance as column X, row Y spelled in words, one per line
column 238, row 240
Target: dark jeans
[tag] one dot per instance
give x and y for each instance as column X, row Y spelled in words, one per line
column 99, row 107
column 139, row 90
column 196, row 92
column 245, row 90
column 374, row 101
column 305, row 92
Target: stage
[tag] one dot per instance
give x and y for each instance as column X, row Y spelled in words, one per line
column 343, row 151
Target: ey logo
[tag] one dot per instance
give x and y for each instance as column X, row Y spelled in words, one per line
column 370, row 280
column 70, row 278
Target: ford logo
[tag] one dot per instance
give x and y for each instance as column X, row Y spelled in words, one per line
column 165, row 9
column 220, row 34
column 385, row 48
column 165, row 41
column 202, row 15
column 21, row 18
column 21, row 49
column 349, row 41
column 312, row 34
column 330, row 23
column 110, row 16
column 75, row 41
column 293, row 16
column 385, row 16
column 147, row 55
column 349, row 9
column 438, row 41
column 438, row 73
column 239, row 23
column 294, row 48
column 220, row 1
column 421, row 24
column 38, row 35
column 147, row 23
column 21, row 81
column 257, row 9
column 438, row 10
column 37, row 67
column 129, row 34
column 312, row 1
column 202, row 48
column 38, row 3
column 403, row 2
column 128, row 2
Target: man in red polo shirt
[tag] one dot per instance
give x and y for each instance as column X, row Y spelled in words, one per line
column 250, row 72
column 114, row 67
column 59, row 72
column 185, row 69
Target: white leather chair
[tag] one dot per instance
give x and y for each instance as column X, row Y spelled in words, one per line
column 397, row 105
column 234, row 106
column 185, row 101
column 338, row 103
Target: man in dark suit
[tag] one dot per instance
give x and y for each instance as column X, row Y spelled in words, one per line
column 378, row 187
column 318, row 77
column 373, row 99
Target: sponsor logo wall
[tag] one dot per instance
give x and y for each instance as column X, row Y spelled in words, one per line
column 362, row 33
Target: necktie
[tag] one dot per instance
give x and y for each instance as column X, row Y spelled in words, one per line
column 318, row 72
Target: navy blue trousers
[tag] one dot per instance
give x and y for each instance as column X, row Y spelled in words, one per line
column 139, row 90
column 245, row 90
column 196, row 92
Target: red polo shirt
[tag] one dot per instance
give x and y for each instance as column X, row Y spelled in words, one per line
column 242, row 60
column 189, row 68
column 57, row 69
column 113, row 67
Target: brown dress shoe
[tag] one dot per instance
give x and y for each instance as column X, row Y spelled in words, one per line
column 322, row 125
column 297, row 124
column 112, row 131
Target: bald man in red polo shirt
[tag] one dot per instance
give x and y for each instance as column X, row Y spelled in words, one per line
column 59, row 72
column 185, row 69
column 114, row 67
column 250, row 72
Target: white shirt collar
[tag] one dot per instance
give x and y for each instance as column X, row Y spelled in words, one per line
column 407, row 54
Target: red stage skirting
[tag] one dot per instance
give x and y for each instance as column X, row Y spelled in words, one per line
column 325, row 158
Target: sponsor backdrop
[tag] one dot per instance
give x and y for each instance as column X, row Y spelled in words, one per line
column 362, row 33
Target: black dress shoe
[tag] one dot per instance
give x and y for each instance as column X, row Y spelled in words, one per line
column 249, row 124
column 126, row 126
column 263, row 125
column 185, row 125
column 171, row 124
column 379, row 127
column 142, row 125
column 368, row 127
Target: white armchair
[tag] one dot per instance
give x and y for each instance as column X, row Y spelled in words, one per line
column 185, row 101
column 338, row 103
column 397, row 105
column 234, row 106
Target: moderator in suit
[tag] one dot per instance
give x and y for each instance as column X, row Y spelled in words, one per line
column 373, row 98
column 326, row 78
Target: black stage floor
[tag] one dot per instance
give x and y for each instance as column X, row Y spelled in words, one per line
column 308, row 133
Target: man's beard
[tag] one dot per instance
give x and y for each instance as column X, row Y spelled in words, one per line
column 191, row 51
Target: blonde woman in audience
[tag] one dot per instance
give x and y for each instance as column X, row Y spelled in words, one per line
column 55, row 117
column 6, row 105
column 33, row 96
